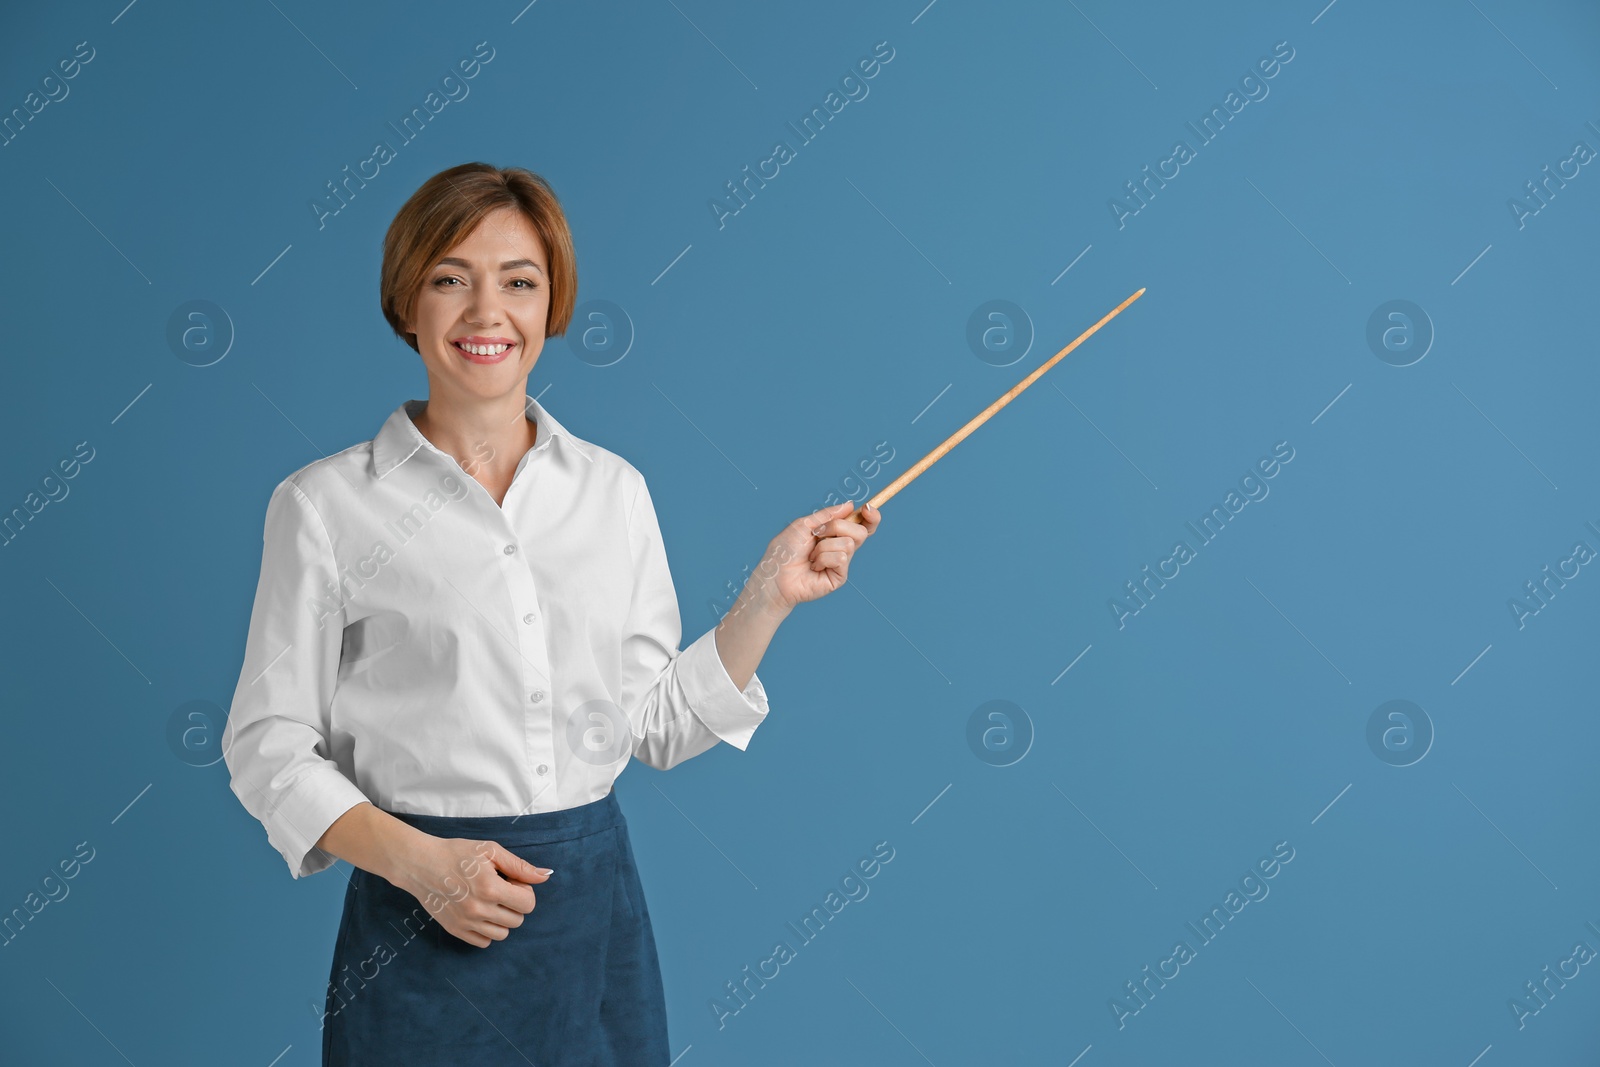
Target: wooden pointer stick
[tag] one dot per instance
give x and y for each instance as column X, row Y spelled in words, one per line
column 956, row 438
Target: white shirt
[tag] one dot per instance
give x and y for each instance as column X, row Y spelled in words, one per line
column 416, row 645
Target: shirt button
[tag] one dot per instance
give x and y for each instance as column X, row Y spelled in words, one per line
column 538, row 695
column 528, row 618
column 509, row 549
column 542, row 769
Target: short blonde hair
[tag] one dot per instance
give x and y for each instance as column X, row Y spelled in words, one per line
column 447, row 208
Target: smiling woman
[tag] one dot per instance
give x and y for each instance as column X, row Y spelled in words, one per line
column 507, row 206
column 449, row 717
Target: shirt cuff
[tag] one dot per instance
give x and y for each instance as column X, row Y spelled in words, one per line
column 313, row 803
column 713, row 698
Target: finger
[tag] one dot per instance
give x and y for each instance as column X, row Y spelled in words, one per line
column 514, row 895
column 859, row 516
column 515, row 867
column 845, row 531
column 822, row 515
column 482, row 910
column 833, row 544
column 491, row 931
column 500, row 915
column 823, row 518
column 830, row 560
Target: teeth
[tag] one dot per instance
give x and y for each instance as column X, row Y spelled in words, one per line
column 483, row 350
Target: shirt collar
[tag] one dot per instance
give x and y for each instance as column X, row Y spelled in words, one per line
column 399, row 438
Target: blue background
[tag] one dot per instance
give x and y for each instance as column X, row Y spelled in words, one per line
column 770, row 355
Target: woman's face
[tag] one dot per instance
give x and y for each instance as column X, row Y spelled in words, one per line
column 490, row 291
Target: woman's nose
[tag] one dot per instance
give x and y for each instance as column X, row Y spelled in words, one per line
column 484, row 311
column 485, row 308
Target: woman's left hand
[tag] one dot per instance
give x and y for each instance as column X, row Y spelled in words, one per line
column 812, row 554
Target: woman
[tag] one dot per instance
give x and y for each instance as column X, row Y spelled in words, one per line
column 462, row 631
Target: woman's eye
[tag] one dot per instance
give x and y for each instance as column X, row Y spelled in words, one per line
column 440, row 283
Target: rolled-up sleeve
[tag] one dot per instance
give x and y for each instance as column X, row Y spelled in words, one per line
column 678, row 703
column 276, row 740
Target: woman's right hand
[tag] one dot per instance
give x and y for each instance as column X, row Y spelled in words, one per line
column 477, row 890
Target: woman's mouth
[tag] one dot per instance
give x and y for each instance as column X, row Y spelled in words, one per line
column 483, row 353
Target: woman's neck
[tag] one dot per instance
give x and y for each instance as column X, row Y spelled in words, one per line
column 487, row 437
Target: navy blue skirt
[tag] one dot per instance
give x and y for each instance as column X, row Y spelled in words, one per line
column 578, row 983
